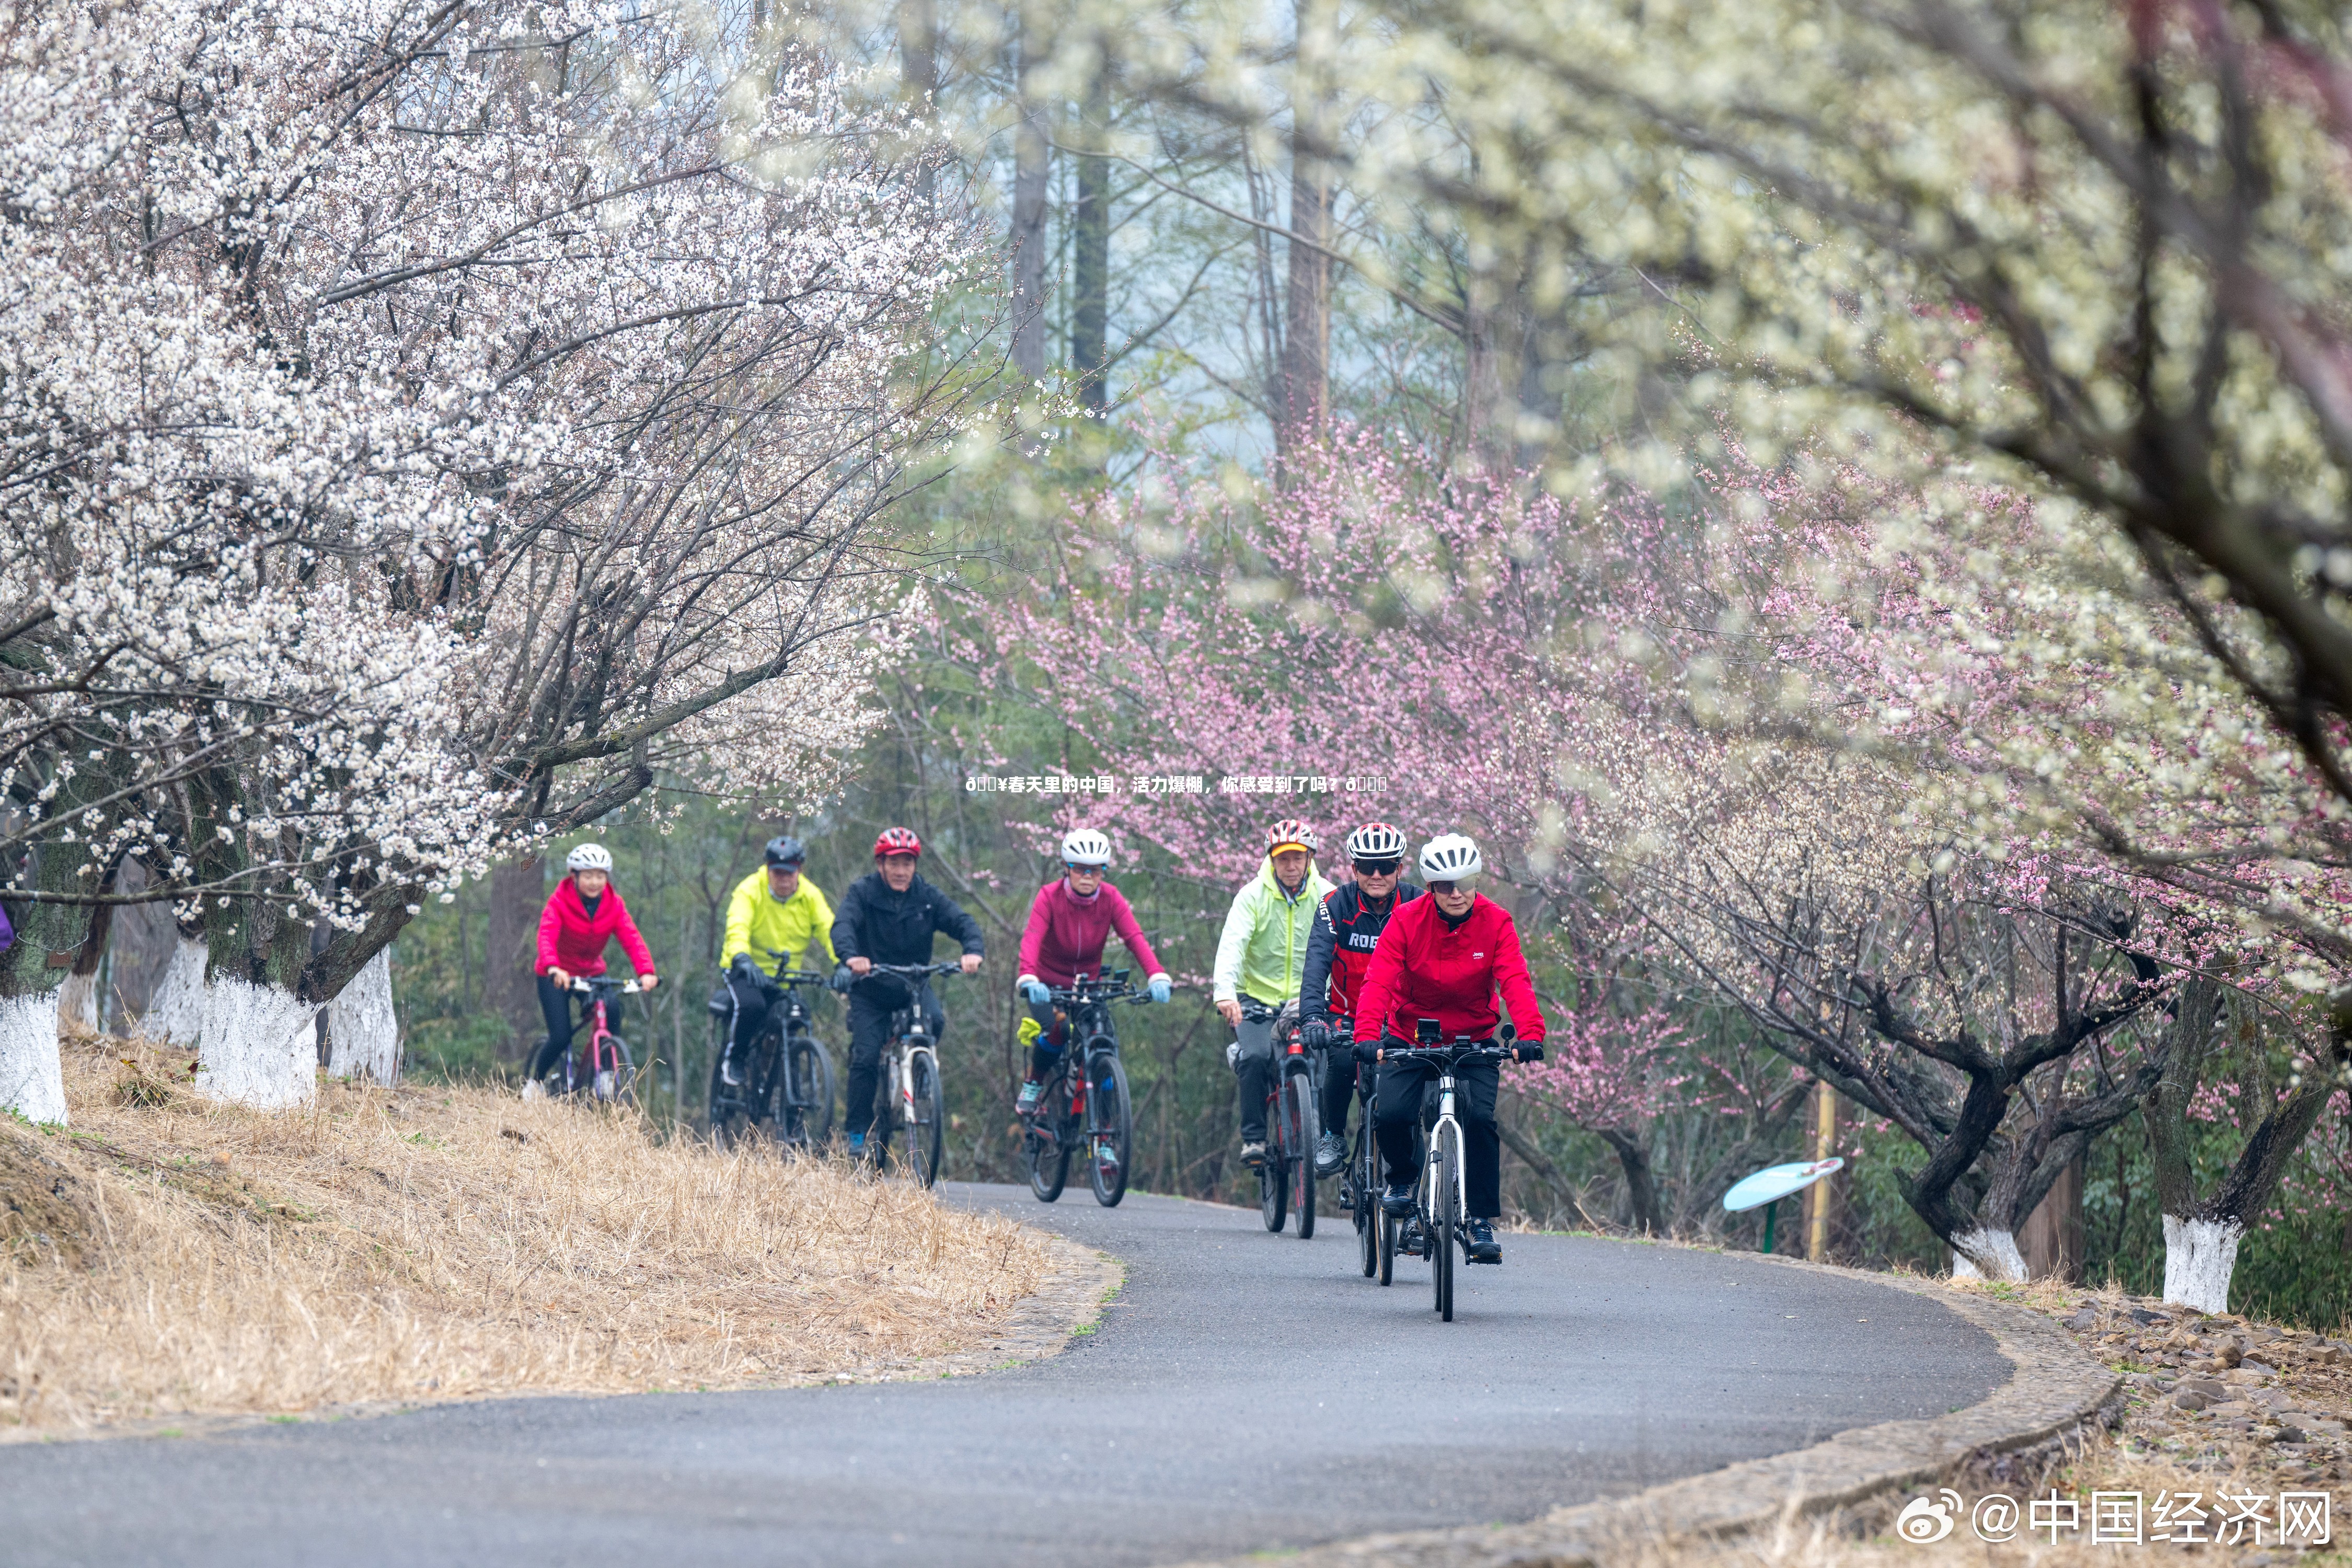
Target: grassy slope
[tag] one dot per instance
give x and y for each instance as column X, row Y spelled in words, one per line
column 166, row 1255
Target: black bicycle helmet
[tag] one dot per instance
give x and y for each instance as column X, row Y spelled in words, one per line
column 786, row 851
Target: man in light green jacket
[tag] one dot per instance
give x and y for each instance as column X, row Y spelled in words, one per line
column 1259, row 957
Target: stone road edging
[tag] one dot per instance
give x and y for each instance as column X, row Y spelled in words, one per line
column 2054, row 1397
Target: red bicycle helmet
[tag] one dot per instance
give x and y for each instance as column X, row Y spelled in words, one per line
column 899, row 841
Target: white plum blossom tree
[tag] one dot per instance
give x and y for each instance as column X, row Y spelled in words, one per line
column 422, row 424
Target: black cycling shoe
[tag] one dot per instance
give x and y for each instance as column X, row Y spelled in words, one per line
column 1397, row 1202
column 1331, row 1155
column 1479, row 1244
column 729, row 1073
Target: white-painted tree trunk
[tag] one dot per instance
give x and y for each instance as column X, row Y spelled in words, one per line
column 2200, row 1256
column 175, row 1014
column 260, row 1046
column 31, row 1081
column 77, row 1004
column 362, row 1032
column 1987, row 1255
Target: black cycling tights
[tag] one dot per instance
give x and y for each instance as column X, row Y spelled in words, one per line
column 1397, row 1105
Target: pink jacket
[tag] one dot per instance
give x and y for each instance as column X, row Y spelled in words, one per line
column 1065, row 937
column 574, row 940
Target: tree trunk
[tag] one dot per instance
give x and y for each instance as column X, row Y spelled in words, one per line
column 1640, row 1181
column 363, row 1031
column 919, row 73
column 517, row 894
column 259, row 1044
column 1091, row 252
column 1030, row 171
column 1988, row 1254
column 79, row 1002
column 175, row 1015
column 2051, row 1236
column 137, row 952
column 2200, row 1256
column 32, row 1079
column 49, row 937
column 2201, row 1231
column 1307, row 294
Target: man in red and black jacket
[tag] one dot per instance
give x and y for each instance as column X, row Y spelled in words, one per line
column 1339, row 951
column 1447, row 958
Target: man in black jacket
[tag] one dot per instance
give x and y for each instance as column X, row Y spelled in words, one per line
column 1338, row 949
column 889, row 916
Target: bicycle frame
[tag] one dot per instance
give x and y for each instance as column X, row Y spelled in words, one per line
column 1086, row 1007
column 600, row 1036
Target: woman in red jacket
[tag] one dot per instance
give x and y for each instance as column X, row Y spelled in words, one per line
column 1447, row 957
column 584, row 913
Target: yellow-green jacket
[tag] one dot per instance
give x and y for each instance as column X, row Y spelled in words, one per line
column 756, row 921
column 1264, row 945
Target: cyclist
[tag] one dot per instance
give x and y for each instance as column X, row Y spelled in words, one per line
column 1068, row 922
column 1348, row 926
column 1259, row 955
column 773, row 910
column 584, row 912
column 889, row 916
column 1446, row 957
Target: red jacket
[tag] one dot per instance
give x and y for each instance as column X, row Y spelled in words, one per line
column 1423, row 968
column 572, row 940
column 1065, row 938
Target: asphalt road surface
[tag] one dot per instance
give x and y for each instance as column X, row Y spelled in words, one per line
column 1245, row 1392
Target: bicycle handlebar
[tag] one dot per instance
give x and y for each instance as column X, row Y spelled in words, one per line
column 1458, row 1053
column 590, row 983
column 916, row 971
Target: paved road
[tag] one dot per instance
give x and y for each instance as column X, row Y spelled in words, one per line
column 1245, row 1392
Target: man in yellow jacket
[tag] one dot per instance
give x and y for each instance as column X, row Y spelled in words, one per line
column 1259, row 957
column 773, row 910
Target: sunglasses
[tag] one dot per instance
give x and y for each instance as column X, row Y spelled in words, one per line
column 1379, row 867
column 1459, row 884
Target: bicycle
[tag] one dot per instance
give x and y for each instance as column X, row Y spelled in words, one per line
column 787, row 1087
column 1360, row 1189
column 1090, row 1110
column 1285, row 1180
column 1441, row 1201
column 603, row 1067
column 911, row 1085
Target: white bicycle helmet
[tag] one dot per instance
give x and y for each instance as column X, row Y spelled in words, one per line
column 1451, row 857
column 1085, row 847
column 1375, row 841
column 588, row 858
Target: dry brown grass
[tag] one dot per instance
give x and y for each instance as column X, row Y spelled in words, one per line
column 165, row 1256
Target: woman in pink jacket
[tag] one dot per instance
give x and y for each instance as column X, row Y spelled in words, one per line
column 1069, row 921
column 584, row 914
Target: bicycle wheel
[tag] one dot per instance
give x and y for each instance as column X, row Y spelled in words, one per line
column 1386, row 1229
column 1368, row 1214
column 1110, row 1130
column 805, row 1116
column 1048, row 1158
column 1444, row 1160
column 735, row 1111
column 926, row 1133
column 616, row 1074
column 1272, row 1185
column 1300, row 1126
